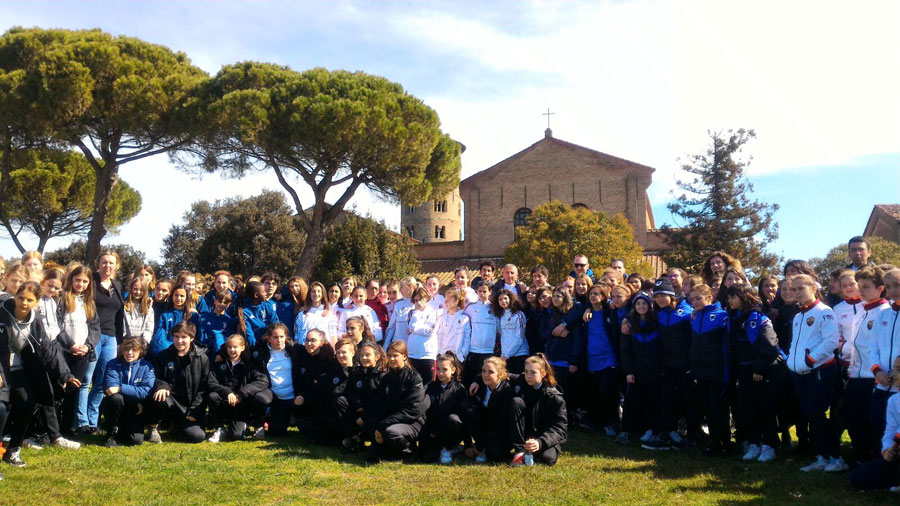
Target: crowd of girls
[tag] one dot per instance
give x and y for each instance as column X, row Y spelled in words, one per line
column 484, row 369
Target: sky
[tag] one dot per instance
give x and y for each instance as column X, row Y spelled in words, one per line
column 817, row 80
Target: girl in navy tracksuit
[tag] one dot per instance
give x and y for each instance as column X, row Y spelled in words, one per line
column 255, row 314
column 293, row 297
column 709, row 365
column 127, row 384
column 313, row 358
column 233, row 382
column 641, row 364
column 361, row 385
column 177, row 310
column 489, row 419
column 398, row 411
column 217, row 325
column 330, row 396
column 676, row 386
column 538, row 411
column 562, row 340
column 602, row 349
column 444, row 429
column 759, row 362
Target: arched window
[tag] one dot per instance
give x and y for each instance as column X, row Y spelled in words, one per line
column 440, row 206
column 442, row 232
column 579, row 205
column 520, row 219
column 410, row 209
column 437, row 232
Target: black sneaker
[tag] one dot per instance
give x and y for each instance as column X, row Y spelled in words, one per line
column 13, row 458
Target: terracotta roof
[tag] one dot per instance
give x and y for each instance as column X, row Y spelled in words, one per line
column 891, row 209
column 597, row 154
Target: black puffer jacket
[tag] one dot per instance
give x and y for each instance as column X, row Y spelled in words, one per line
column 545, row 415
column 241, row 379
column 361, row 387
column 42, row 358
column 186, row 377
column 399, row 398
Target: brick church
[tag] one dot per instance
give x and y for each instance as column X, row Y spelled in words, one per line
column 448, row 234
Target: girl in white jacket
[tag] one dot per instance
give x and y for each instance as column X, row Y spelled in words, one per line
column 139, row 319
column 357, row 307
column 815, row 372
column 316, row 314
column 455, row 330
column 422, row 335
column 513, row 345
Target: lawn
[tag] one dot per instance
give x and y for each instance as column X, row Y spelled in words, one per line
column 593, row 470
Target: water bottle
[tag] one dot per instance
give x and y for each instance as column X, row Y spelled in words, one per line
column 529, row 459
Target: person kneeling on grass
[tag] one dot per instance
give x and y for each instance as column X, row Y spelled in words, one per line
column 127, row 384
column 444, row 428
column 182, row 381
column 884, row 471
column 233, row 383
column 28, row 362
column 539, row 414
column 398, row 412
column 278, row 359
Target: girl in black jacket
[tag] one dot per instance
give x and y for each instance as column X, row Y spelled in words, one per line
column 641, row 363
column 329, row 397
column 29, row 365
column 398, row 413
column 539, row 413
column 233, row 381
column 182, row 382
column 759, row 363
column 360, row 394
column 488, row 417
column 447, row 397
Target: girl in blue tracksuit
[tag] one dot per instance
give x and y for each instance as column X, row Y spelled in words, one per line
column 562, row 341
column 602, row 349
column 709, row 365
column 255, row 314
column 513, row 345
column 759, row 362
column 677, row 388
column 177, row 310
column 641, row 364
column 217, row 325
column 127, row 384
column 293, row 297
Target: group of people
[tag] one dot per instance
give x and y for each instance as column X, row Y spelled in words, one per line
column 493, row 370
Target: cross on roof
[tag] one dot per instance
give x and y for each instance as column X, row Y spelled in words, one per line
column 548, row 114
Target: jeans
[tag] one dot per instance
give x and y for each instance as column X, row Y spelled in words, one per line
column 105, row 351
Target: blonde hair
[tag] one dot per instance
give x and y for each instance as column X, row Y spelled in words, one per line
column 498, row 364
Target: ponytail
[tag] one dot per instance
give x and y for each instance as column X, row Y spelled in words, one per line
column 451, row 357
column 541, row 360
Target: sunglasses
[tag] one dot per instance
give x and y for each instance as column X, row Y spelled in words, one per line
column 580, row 265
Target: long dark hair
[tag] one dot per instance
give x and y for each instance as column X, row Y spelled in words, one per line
column 515, row 305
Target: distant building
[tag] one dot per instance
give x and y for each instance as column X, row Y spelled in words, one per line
column 499, row 198
column 884, row 222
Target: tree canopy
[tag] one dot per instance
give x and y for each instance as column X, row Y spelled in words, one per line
column 243, row 235
column 119, row 99
column 327, row 131
column 556, row 232
column 883, row 252
column 50, row 194
column 717, row 211
column 365, row 248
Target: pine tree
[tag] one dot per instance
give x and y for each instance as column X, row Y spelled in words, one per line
column 717, row 211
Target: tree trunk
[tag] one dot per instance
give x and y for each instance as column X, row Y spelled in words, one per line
column 106, row 179
column 310, row 254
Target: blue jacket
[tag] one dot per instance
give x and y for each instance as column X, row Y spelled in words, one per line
column 210, row 300
column 709, row 344
column 675, row 337
column 285, row 312
column 135, row 380
column 601, row 340
column 214, row 329
column 165, row 322
column 753, row 340
column 257, row 318
column 562, row 351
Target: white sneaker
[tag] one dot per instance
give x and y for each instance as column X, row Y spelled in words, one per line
column 819, row 465
column 753, row 452
column 647, row 435
column 446, row 456
column 32, row 443
column 216, row 436
column 836, row 465
column 766, row 453
column 66, row 443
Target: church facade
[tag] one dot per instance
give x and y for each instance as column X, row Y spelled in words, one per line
column 478, row 221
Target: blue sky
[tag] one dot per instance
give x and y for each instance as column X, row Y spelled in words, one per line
column 642, row 80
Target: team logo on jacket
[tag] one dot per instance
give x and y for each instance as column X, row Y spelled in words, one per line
column 870, row 324
column 336, row 380
column 223, row 366
column 828, row 317
column 712, row 317
column 679, row 312
column 518, row 387
column 753, row 324
column 302, row 370
column 255, row 353
column 359, row 384
column 170, row 365
column 810, row 320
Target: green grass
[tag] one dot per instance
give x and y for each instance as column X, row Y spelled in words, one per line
column 592, row 470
